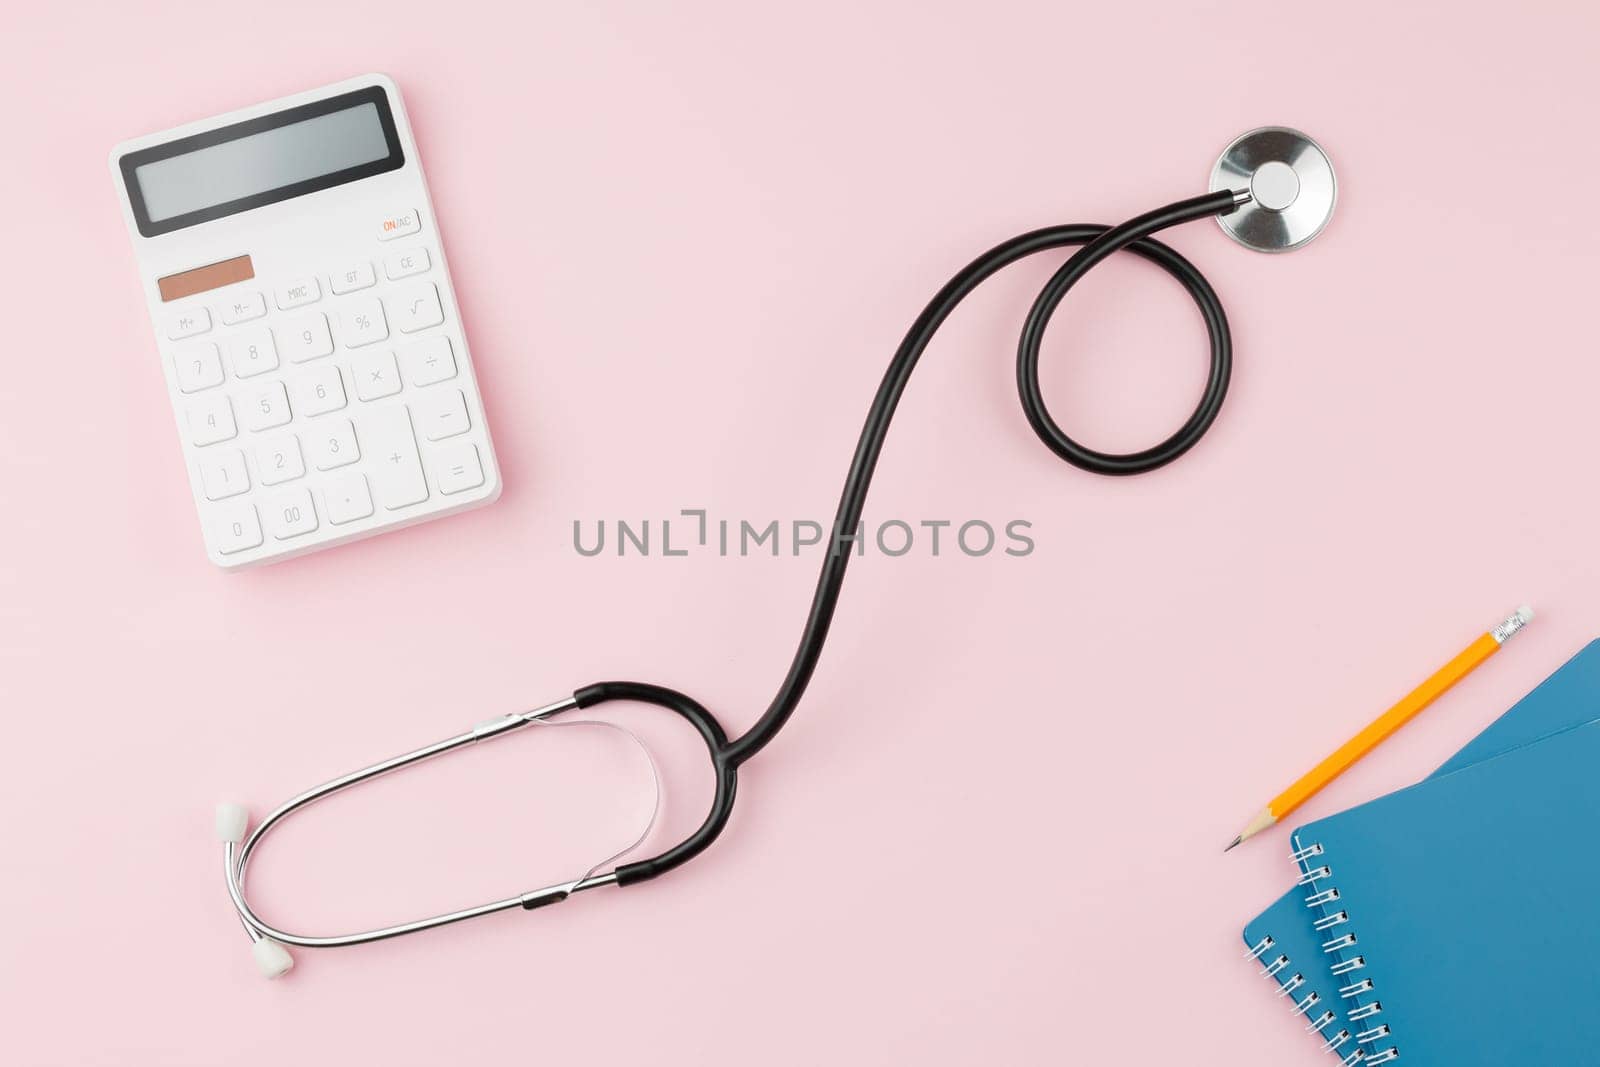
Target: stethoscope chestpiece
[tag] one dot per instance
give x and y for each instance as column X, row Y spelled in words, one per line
column 1291, row 185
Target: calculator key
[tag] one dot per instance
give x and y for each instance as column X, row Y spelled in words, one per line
column 332, row 444
column 456, row 468
column 392, row 451
column 187, row 323
column 417, row 307
column 361, row 322
column 355, row 276
column 406, row 262
column 401, row 224
column 306, row 337
column 252, row 352
column 242, row 307
column 428, row 361
column 348, row 499
column 265, row 407
column 223, row 474
column 375, row 374
column 290, row 514
column 234, row 527
column 211, row 420
column 278, row 459
column 320, row 391
column 298, row 293
column 442, row 414
column 199, row 366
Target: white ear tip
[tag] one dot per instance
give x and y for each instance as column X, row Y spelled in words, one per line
column 232, row 821
column 272, row 958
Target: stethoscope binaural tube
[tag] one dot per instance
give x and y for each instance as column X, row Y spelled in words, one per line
column 268, row 940
column 728, row 755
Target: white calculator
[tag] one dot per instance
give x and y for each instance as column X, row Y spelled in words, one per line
column 306, row 322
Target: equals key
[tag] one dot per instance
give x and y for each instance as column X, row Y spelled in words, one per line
column 457, row 467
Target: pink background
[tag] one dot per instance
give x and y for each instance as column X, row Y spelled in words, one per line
column 686, row 241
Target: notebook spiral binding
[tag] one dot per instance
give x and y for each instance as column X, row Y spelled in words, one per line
column 1358, row 1010
column 1279, row 964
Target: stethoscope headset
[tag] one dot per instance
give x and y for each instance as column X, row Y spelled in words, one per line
column 1273, row 190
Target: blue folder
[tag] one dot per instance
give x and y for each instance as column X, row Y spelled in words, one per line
column 1285, row 939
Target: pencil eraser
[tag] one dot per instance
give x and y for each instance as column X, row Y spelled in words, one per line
column 1525, row 613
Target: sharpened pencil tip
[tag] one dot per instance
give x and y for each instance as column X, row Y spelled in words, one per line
column 1233, row 844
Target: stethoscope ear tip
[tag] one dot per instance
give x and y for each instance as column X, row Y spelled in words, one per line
column 272, row 959
column 232, row 822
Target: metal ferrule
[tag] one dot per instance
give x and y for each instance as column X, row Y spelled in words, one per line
column 1509, row 629
column 491, row 728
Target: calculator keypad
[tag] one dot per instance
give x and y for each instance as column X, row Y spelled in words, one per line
column 312, row 402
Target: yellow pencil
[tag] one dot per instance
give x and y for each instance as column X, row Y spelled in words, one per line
column 1384, row 725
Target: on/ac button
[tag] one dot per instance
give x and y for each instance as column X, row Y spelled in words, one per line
column 401, row 225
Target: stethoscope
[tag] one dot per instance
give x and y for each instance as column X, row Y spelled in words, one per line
column 1272, row 190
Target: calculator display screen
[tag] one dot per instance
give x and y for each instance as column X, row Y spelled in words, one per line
column 262, row 161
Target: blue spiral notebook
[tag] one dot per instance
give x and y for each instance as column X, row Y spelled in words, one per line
column 1472, row 925
column 1291, row 942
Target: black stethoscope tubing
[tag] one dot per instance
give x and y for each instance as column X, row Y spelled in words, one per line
column 1098, row 242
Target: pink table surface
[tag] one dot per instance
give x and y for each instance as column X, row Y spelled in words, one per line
column 686, row 240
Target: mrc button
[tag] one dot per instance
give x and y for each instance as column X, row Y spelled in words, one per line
column 401, row 224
